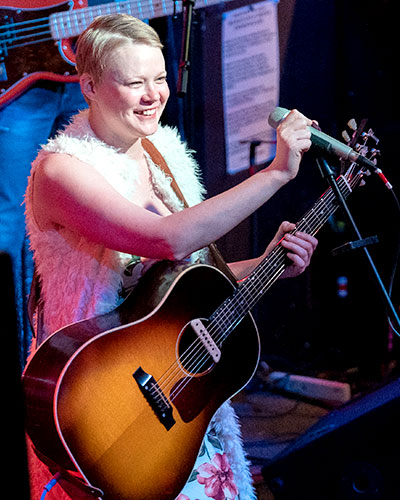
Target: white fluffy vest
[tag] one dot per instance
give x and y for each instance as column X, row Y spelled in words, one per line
column 72, row 267
column 81, row 279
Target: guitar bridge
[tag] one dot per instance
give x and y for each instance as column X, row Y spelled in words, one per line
column 155, row 397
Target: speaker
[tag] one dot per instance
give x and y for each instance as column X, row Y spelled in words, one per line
column 352, row 453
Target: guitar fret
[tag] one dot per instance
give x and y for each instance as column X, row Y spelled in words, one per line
column 318, row 215
column 226, row 316
column 230, row 313
column 320, row 212
column 347, row 185
column 140, row 12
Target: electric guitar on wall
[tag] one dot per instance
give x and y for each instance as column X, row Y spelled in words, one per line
column 37, row 36
column 125, row 398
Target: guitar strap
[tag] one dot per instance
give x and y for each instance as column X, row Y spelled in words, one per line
column 158, row 159
column 34, row 300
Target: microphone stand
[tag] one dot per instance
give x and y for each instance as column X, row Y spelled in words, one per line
column 361, row 243
column 184, row 63
column 252, row 157
column 254, row 218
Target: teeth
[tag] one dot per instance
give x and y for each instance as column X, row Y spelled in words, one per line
column 147, row 112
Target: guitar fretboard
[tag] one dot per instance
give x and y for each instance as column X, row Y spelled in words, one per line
column 234, row 308
column 70, row 24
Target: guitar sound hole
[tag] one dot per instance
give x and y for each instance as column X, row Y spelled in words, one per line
column 193, row 354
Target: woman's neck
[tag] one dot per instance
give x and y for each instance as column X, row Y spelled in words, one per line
column 132, row 147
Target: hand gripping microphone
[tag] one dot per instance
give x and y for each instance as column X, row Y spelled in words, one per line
column 325, row 142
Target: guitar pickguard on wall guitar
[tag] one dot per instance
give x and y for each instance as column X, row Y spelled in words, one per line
column 28, row 51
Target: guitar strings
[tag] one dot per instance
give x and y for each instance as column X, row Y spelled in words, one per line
column 277, row 259
column 17, row 32
column 315, row 212
column 233, row 306
column 315, row 215
column 201, row 362
column 303, row 224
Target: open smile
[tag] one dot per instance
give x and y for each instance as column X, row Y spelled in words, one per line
column 146, row 112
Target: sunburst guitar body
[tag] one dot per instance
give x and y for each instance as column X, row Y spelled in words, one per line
column 127, row 400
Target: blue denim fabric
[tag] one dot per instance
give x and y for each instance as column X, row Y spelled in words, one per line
column 25, row 124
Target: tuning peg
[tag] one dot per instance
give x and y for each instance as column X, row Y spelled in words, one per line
column 373, row 136
column 352, row 124
column 346, row 136
column 374, row 153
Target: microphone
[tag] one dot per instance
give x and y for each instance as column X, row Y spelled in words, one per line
column 324, row 141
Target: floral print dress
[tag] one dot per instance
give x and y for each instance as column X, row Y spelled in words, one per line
column 212, row 476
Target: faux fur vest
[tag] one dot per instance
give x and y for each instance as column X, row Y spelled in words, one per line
column 72, row 266
column 81, row 279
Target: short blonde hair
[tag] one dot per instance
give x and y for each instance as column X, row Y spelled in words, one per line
column 104, row 35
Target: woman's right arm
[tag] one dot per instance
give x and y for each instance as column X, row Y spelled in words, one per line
column 70, row 193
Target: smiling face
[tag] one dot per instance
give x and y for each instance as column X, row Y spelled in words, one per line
column 127, row 103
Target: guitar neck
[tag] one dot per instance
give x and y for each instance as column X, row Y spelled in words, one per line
column 233, row 310
column 70, row 24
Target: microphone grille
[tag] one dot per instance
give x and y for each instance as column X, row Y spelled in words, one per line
column 277, row 115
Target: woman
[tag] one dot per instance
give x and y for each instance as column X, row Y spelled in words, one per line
column 96, row 198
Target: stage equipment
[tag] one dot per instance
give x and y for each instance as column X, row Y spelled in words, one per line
column 350, row 454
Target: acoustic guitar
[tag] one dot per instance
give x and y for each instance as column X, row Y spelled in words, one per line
column 125, row 398
column 37, row 37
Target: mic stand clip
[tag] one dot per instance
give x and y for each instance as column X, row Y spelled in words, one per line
column 353, row 245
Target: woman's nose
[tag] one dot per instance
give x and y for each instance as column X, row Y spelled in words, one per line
column 151, row 92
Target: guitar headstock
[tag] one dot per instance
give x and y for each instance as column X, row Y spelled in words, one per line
column 362, row 141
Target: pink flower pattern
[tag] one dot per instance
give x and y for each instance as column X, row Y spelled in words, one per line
column 211, row 477
column 217, row 478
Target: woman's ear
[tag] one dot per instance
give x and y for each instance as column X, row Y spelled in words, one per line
column 88, row 86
